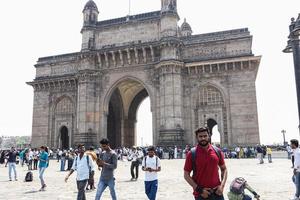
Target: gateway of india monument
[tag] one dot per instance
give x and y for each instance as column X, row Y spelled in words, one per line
column 192, row 80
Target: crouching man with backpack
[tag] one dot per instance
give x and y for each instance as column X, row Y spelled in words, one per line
column 205, row 160
column 237, row 190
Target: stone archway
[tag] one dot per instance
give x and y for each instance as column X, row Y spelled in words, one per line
column 124, row 101
column 64, row 138
column 210, row 124
column 213, row 127
column 210, row 110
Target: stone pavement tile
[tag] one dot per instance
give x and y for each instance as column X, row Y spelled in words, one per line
column 272, row 181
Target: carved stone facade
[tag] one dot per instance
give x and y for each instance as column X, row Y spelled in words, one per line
column 192, row 80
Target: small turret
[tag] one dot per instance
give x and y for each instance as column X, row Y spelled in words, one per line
column 186, row 29
column 169, row 6
column 90, row 18
column 90, row 13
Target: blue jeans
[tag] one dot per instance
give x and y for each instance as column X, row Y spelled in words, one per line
column 151, row 189
column 297, row 183
column 211, row 197
column 12, row 166
column 102, row 186
column 41, row 175
column 81, row 189
column 62, row 164
column 247, row 197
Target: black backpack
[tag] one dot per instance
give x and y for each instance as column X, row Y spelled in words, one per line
column 29, row 177
column 193, row 151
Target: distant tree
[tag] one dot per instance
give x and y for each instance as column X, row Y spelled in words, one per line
column 9, row 142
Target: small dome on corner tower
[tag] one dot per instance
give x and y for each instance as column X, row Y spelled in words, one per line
column 186, row 29
column 90, row 5
column 185, row 26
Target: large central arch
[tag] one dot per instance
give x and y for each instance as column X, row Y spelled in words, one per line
column 123, row 102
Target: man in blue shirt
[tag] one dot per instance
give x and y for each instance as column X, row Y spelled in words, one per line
column 43, row 164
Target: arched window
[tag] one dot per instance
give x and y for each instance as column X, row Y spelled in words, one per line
column 210, row 96
column 64, row 106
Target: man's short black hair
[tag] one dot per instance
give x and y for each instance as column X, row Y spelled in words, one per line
column 104, row 141
column 295, row 142
column 151, row 148
column 91, row 148
column 80, row 145
column 202, row 129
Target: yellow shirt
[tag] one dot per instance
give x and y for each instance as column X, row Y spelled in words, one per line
column 269, row 150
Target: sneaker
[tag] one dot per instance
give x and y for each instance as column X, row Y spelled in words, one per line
column 295, row 198
column 132, row 179
column 9, row 179
column 16, row 179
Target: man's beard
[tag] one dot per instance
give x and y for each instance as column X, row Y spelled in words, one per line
column 203, row 143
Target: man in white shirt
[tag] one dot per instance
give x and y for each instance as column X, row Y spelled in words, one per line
column 83, row 164
column 135, row 157
column 295, row 147
column 151, row 165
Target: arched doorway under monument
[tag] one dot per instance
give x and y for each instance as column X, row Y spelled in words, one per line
column 64, row 138
column 214, row 130
column 144, row 124
column 122, row 113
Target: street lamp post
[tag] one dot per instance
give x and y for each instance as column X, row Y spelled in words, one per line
column 293, row 46
column 283, row 133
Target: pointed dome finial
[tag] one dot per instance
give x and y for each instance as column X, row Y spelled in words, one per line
column 90, row 5
column 186, row 28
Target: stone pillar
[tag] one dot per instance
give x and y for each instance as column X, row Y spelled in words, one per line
column 152, row 53
column 40, row 118
column 113, row 58
column 106, row 59
column 121, row 57
column 144, row 55
column 128, row 56
column 99, row 60
column 86, row 115
column 136, row 56
column 171, row 105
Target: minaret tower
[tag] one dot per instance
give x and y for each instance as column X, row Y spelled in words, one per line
column 171, row 112
column 90, row 18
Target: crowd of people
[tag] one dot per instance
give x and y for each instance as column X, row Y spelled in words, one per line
column 201, row 170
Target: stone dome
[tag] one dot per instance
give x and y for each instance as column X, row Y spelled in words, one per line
column 185, row 26
column 90, row 5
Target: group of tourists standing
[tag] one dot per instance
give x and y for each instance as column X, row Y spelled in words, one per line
column 107, row 162
column 42, row 163
column 201, row 170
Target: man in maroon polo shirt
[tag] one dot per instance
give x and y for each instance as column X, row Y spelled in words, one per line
column 205, row 180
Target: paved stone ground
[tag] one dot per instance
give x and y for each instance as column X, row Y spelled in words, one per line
column 272, row 181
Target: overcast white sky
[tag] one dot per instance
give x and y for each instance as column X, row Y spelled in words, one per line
column 33, row 28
